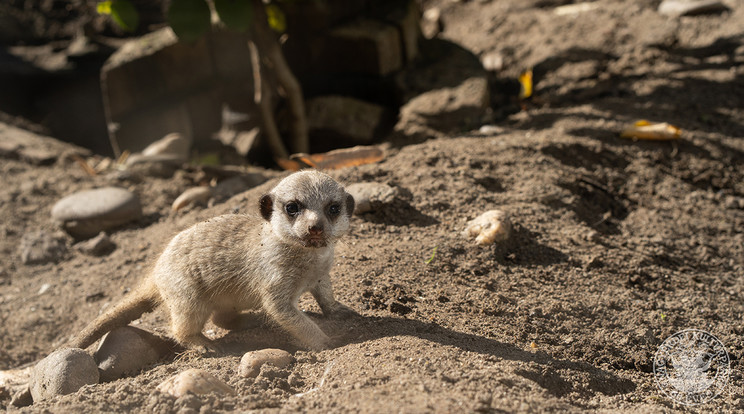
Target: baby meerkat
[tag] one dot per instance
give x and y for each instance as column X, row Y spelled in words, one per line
column 233, row 263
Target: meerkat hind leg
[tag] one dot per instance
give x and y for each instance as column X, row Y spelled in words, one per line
column 232, row 320
column 187, row 330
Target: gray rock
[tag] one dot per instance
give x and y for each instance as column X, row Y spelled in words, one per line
column 369, row 196
column 41, row 247
column 449, row 95
column 159, row 165
column 100, row 245
column 62, row 372
column 22, row 398
column 128, row 350
column 453, row 107
column 251, row 362
column 343, row 117
column 376, row 46
column 145, row 108
column 676, row 8
column 163, row 157
column 87, row 213
column 34, row 148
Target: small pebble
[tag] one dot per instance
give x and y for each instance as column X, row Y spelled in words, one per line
column 161, row 158
column 431, row 23
column 87, row 213
column 100, row 245
column 62, row 372
column 44, row 289
column 488, row 228
column 676, row 8
column 251, row 362
column 492, row 61
column 163, row 166
column 41, row 247
column 128, row 350
column 370, row 196
column 731, row 202
column 194, row 381
column 490, row 130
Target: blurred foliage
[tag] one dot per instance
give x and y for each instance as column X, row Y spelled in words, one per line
column 122, row 11
column 277, row 21
column 190, row 19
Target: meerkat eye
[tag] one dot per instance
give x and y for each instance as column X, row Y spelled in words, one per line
column 334, row 210
column 292, row 208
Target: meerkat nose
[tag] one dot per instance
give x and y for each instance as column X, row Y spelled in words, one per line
column 315, row 230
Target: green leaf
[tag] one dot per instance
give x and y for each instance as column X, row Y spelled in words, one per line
column 277, row 21
column 235, row 14
column 189, row 19
column 122, row 11
column 209, row 158
column 433, row 253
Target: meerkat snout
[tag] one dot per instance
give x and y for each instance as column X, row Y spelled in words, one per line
column 317, row 218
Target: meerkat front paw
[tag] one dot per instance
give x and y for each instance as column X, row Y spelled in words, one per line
column 341, row 311
column 317, row 343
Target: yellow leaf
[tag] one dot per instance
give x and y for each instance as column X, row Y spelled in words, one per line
column 659, row 131
column 277, row 21
column 525, row 82
column 104, row 7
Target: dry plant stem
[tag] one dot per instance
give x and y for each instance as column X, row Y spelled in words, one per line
column 107, row 111
column 260, row 97
column 270, row 49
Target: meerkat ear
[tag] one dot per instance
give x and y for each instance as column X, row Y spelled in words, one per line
column 266, row 205
column 350, row 203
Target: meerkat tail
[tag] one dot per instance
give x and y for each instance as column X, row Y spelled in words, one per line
column 144, row 299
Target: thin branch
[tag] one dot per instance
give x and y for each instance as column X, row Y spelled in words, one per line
column 262, row 100
column 270, row 49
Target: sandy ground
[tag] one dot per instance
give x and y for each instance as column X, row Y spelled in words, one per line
column 617, row 244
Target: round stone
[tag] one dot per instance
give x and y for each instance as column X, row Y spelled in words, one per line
column 62, row 372
column 86, row 213
column 194, row 381
column 370, row 196
column 128, row 350
column 488, row 228
column 251, row 362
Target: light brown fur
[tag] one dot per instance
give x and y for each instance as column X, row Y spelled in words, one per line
column 232, row 263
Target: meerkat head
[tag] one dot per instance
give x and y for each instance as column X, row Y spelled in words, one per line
column 308, row 208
